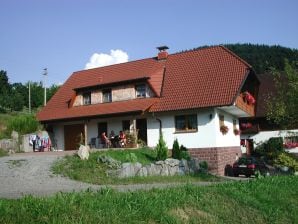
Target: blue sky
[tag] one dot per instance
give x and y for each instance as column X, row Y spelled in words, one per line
column 62, row 35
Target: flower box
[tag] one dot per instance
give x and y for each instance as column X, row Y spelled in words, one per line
column 224, row 129
column 247, row 97
column 236, row 131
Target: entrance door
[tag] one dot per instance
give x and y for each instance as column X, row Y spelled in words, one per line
column 72, row 136
column 249, row 146
column 142, row 127
column 102, row 127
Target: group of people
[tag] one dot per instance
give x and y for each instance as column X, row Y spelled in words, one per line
column 114, row 140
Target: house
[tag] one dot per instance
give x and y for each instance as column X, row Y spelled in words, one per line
column 195, row 96
column 256, row 130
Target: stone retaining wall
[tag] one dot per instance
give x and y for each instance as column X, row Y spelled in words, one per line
column 169, row 167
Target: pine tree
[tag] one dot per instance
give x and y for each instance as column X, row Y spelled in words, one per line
column 161, row 149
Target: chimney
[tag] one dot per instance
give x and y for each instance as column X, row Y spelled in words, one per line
column 162, row 54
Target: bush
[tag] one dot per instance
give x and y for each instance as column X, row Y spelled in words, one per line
column 270, row 149
column 285, row 159
column 185, row 155
column 179, row 152
column 203, row 166
column 23, row 124
column 161, row 149
column 176, row 150
column 131, row 158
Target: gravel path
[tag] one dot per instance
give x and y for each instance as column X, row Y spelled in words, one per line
column 29, row 174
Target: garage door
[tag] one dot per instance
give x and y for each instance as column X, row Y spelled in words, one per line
column 72, row 135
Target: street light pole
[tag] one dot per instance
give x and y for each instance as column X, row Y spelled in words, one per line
column 29, row 97
column 44, row 85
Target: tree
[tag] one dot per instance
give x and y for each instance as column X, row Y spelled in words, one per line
column 282, row 107
column 4, row 84
column 4, row 90
column 161, row 149
column 176, row 150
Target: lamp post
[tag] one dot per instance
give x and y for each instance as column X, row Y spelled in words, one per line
column 45, row 73
column 29, row 97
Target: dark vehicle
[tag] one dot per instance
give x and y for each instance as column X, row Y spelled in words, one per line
column 249, row 166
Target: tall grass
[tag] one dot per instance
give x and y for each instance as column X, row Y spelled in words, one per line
column 268, row 200
column 23, row 124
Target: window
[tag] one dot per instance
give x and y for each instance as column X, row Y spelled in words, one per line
column 87, row 98
column 140, row 90
column 106, row 96
column 186, row 123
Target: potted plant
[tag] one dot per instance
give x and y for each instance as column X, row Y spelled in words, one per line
column 132, row 139
column 249, row 98
column 224, row 129
column 236, row 131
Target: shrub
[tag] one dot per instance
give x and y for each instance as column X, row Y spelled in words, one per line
column 285, row 159
column 23, row 124
column 161, row 149
column 183, row 148
column 131, row 157
column 273, row 147
column 185, row 155
column 176, row 150
column 204, row 166
column 270, row 149
column 180, row 152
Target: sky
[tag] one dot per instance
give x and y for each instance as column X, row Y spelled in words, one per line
column 65, row 36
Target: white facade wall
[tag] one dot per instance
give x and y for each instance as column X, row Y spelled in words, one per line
column 264, row 136
column 229, row 139
column 208, row 134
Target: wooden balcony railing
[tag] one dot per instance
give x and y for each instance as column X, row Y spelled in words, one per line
column 242, row 104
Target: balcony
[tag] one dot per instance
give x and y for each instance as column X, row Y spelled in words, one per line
column 246, row 104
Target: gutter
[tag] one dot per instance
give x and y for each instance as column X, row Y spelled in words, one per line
column 160, row 124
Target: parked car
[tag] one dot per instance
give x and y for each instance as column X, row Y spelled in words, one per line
column 249, row 166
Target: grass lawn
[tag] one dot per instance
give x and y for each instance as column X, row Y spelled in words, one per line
column 91, row 171
column 267, row 200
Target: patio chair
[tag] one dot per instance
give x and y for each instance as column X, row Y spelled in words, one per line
column 92, row 143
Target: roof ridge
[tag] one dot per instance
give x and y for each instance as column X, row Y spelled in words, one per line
column 206, row 47
column 143, row 59
column 235, row 55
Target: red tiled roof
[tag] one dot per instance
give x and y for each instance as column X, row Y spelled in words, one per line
column 57, row 107
column 201, row 78
column 120, row 107
column 195, row 79
column 146, row 68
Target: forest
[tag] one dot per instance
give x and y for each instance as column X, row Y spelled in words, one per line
column 15, row 96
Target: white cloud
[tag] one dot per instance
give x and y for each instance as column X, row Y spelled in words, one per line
column 101, row 59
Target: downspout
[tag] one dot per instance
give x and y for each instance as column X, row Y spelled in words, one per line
column 160, row 124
